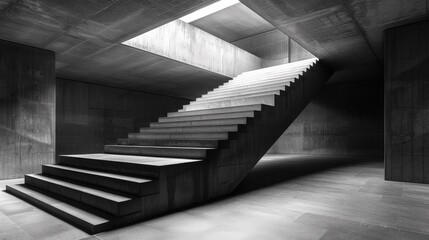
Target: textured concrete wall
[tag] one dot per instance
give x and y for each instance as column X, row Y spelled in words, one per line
column 274, row 47
column 344, row 119
column 27, row 109
column 185, row 43
column 90, row 116
column 407, row 103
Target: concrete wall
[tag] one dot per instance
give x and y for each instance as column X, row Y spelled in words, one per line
column 344, row 119
column 185, row 43
column 407, row 103
column 27, row 109
column 90, row 116
column 274, row 47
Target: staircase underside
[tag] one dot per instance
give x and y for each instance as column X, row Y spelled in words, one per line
column 200, row 152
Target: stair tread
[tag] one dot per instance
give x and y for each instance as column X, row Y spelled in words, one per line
column 143, row 160
column 106, row 195
column 77, row 212
column 102, row 174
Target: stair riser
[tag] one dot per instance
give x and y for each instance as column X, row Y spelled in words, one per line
column 110, row 183
column 91, row 229
column 242, row 91
column 214, row 111
column 267, row 100
column 201, row 123
column 157, row 152
column 239, row 94
column 171, row 143
column 213, row 136
column 113, row 167
column 103, row 204
column 207, row 117
column 191, row 129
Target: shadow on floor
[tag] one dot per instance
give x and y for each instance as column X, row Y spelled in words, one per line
column 274, row 169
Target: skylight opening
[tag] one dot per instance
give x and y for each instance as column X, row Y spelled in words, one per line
column 215, row 7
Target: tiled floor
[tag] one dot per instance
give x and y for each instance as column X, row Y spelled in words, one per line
column 285, row 197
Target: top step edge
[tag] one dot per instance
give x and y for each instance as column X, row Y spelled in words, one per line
column 134, row 159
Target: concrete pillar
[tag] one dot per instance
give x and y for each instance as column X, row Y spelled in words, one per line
column 406, row 88
column 27, row 109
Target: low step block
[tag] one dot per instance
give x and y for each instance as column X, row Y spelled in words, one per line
column 115, row 204
column 151, row 167
column 76, row 214
column 122, row 183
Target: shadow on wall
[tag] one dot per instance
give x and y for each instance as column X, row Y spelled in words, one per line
column 274, row 169
column 344, row 119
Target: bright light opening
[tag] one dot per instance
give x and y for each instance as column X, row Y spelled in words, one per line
column 215, row 7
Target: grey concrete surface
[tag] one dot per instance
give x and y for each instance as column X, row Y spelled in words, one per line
column 406, row 109
column 284, row 197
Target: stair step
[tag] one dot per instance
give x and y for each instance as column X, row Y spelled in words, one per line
column 212, row 135
column 215, row 122
column 270, row 73
column 266, row 76
column 261, row 85
column 239, row 93
column 197, row 129
column 127, row 184
column 264, row 99
column 307, row 62
column 256, row 107
column 281, row 67
column 74, row 213
column 158, row 151
column 208, row 116
column 151, row 167
column 245, row 90
column 115, row 204
column 279, row 80
column 172, row 143
column 236, row 97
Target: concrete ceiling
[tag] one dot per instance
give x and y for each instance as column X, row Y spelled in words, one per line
column 87, row 36
column 233, row 23
column 343, row 32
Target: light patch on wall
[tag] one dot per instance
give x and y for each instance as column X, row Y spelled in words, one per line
column 215, row 7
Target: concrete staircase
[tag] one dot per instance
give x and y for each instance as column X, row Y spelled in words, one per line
column 200, row 152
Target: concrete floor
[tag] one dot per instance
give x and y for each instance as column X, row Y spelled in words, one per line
column 284, row 197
